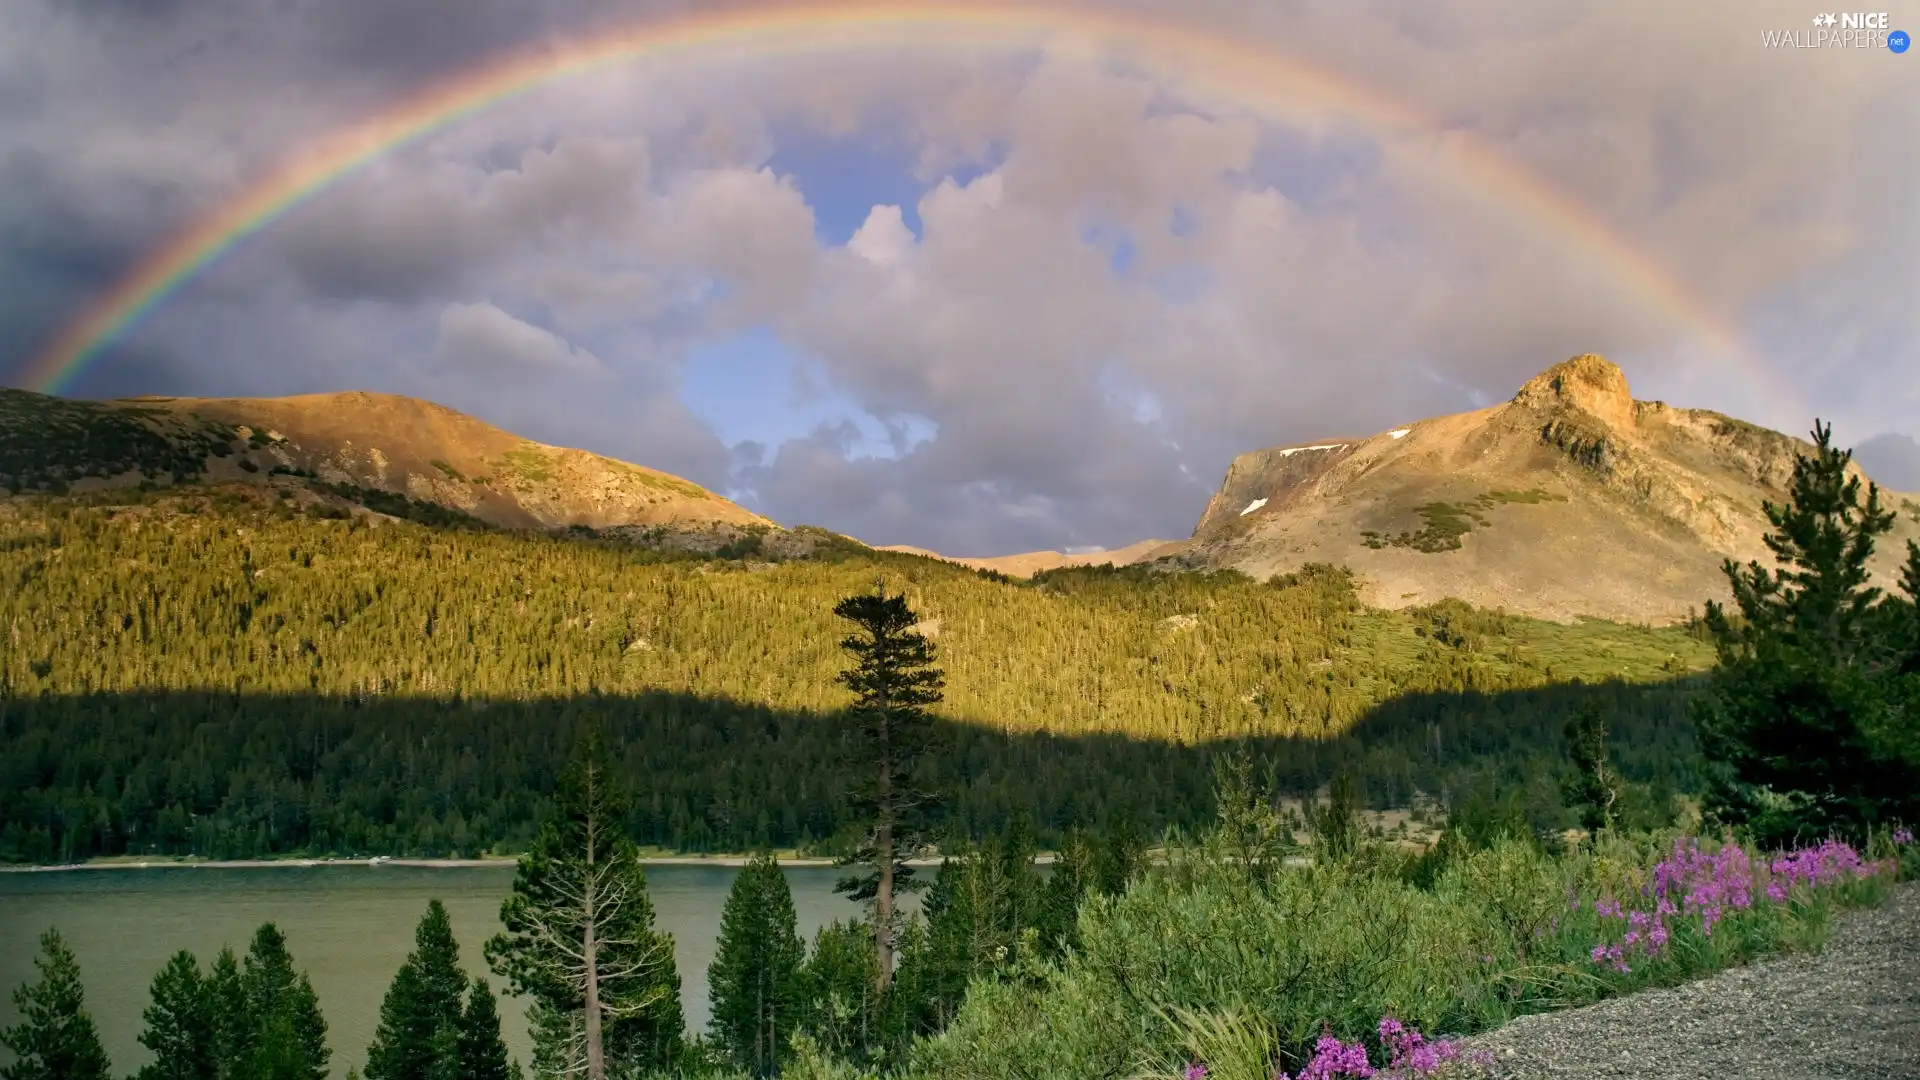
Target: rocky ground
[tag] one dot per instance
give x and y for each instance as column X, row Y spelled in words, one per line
column 1849, row 1012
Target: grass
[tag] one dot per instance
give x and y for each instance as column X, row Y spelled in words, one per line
column 450, row 472
column 1445, row 523
column 662, row 482
column 526, row 465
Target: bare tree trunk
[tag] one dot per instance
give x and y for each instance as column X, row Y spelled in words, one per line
column 883, row 895
column 596, row 1052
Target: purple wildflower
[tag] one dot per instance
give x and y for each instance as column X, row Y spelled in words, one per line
column 1195, row 1071
column 1695, row 884
column 1903, row 836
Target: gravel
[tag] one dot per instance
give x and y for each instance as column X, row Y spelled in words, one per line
column 1848, row 1012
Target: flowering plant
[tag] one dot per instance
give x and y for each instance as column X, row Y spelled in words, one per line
column 1692, row 884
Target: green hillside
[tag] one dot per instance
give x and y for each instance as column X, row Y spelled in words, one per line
column 218, row 671
column 233, row 592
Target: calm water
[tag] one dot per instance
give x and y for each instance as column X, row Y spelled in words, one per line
column 349, row 927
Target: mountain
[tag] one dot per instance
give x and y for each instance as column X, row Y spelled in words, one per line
column 347, row 445
column 1030, row 563
column 1571, row 499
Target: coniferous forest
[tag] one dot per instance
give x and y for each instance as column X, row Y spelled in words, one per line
column 214, row 673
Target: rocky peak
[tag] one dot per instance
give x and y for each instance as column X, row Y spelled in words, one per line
column 1590, row 383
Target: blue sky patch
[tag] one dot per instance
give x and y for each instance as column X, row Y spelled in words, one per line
column 745, row 387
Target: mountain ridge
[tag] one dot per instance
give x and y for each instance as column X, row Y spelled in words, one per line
column 1569, row 499
column 352, row 440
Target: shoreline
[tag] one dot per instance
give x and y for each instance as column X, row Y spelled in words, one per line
column 733, row 861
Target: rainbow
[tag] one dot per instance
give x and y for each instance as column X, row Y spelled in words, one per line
column 1234, row 70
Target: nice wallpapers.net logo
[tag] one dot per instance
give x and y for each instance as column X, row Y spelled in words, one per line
column 1845, row 30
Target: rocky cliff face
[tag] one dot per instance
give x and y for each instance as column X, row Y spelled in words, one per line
column 1266, row 482
column 1569, row 499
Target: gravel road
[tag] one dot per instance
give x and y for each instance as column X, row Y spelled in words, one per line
column 1849, row 1012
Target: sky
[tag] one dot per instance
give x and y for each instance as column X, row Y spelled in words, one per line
column 981, row 297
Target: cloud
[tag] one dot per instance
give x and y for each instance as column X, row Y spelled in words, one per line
column 481, row 336
column 1893, row 461
column 1091, row 292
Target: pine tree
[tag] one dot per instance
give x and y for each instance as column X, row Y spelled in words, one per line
column 1594, row 787
column 55, row 1039
column 180, row 1024
column 422, row 1003
column 894, row 681
column 234, row 1035
column 1075, row 874
column 1120, row 855
column 482, row 1052
column 841, row 1007
column 579, row 935
column 1805, row 681
column 754, row 980
column 1336, row 824
column 1020, row 914
column 289, row 1034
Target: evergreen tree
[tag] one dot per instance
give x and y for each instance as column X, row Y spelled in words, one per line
column 1249, row 826
column 55, row 1039
column 289, row 1036
column 180, row 1024
column 1020, row 914
column 1336, row 824
column 840, row 1003
column 482, row 1052
column 754, row 980
column 1075, row 874
column 422, row 1003
column 234, row 1034
column 1120, row 856
column 1807, row 673
column 579, row 935
column 1594, row 787
column 894, row 681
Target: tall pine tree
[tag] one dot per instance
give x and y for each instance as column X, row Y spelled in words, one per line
column 894, row 681
column 289, row 1036
column 1594, row 787
column 1795, row 731
column 55, row 1039
column 180, row 1023
column 422, row 1009
column 482, row 1052
column 754, row 980
column 579, row 935
column 234, row 1034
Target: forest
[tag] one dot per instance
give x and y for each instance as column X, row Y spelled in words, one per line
column 219, row 673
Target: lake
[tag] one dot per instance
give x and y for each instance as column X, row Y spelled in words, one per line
column 348, row 926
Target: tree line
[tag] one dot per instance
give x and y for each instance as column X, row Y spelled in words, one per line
column 201, row 674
